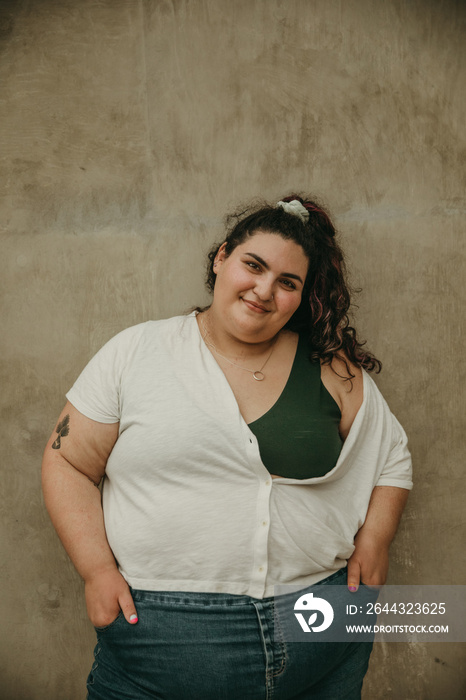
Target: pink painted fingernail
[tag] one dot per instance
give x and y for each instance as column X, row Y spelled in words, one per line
column 133, row 618
column 353, row 588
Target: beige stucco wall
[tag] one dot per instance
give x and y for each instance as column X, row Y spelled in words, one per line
column 128, row 129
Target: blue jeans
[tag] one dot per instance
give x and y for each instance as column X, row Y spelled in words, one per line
column 217, row 646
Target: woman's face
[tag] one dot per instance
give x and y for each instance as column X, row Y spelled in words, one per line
column 259, row 286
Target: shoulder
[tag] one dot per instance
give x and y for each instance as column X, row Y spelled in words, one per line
column 346, row 390
column 116, row 352
column 160, row 328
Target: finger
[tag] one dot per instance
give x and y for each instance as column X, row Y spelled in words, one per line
column 128, row 608
column 353, row 576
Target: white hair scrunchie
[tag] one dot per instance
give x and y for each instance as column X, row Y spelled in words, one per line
column 296, row 208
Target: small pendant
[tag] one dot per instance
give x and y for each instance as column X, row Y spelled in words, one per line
column 258, row 376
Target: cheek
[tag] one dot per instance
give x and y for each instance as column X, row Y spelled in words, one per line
column 239, row 279
column 290, row 303
column 296, row 304
column 232, row 280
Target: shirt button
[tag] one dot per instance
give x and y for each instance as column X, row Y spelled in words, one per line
column 267, row 483
column 261, row 568
column 264, row 522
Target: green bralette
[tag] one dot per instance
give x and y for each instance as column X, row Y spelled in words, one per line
column 298, row 437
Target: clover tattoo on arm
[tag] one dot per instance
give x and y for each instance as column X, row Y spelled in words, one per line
column 63, row 428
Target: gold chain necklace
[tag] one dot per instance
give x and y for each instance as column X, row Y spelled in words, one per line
column 258, row 374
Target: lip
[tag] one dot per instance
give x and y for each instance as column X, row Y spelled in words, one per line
column 257, row 308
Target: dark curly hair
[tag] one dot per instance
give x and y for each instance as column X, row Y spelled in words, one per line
column 323, row 312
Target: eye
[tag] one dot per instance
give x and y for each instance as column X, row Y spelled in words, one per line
column 288, row 283
column 252, row 265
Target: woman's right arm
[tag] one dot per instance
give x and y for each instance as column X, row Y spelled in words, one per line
column 73, row 465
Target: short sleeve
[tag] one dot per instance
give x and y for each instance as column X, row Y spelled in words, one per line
column 96, row 392
column 397, row 470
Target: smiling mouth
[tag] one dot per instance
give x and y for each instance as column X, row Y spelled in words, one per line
column 255, row 307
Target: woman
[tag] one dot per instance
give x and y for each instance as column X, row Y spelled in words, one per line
column 241, row 447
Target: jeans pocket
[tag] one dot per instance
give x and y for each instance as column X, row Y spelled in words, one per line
column 111, row 624
column 371, row 589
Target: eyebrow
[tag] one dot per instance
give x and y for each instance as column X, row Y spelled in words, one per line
column 291, row 275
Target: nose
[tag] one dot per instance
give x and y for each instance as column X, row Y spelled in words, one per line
column 264, row 288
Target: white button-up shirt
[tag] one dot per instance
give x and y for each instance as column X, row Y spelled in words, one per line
column 188, row 503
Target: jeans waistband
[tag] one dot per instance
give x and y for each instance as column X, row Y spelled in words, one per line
column 228, row 599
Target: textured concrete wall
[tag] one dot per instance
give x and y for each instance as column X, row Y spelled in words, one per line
column 128, row 129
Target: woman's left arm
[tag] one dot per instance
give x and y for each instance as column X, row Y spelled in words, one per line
column 369, row 562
